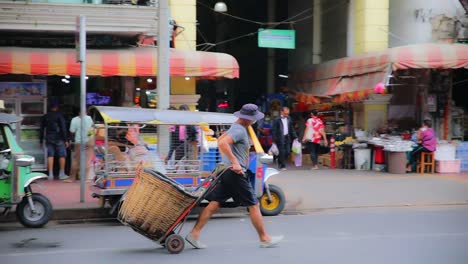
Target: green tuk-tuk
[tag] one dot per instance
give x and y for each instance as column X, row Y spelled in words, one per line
column 16, row 178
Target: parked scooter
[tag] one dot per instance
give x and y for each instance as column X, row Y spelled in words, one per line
column 16, row 178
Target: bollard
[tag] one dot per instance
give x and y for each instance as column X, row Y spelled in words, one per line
column 332, row 153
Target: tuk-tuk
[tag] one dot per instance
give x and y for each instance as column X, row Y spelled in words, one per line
column 16, row 178
column 179, row 144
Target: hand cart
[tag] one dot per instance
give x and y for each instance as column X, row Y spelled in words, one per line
column 157, row 207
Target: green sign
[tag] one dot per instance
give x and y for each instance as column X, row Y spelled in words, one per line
column 277, row 38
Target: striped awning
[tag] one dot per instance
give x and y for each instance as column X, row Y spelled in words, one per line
column 363, row 72
column 355, row 96
column 119, row 62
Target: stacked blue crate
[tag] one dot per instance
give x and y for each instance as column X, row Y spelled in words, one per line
column 462, row 154
column 210, row 159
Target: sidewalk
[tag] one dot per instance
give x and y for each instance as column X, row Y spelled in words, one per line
column 305, row 190
column 309, row 190
column 65, row 199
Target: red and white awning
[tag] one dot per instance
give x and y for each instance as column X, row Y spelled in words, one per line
column 363, row 72
column 119, row 62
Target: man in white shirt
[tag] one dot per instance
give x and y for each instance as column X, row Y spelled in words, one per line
column 283, row 136
column 75, row 129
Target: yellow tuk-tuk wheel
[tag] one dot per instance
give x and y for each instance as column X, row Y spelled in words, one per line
column 276, row 205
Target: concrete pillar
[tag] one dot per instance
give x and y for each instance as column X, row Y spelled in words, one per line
column 317, row 33
column 350, row 30
column 371, row 25
column 271, row 52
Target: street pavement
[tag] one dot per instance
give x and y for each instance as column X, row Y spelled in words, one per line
column 305, row 190
column 429, row 235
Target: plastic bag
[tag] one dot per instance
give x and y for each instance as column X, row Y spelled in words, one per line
column 273, row 150
column 298, row 159
column 204, row 142
column 296, row 147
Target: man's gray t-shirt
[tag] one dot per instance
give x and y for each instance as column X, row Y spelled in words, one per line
column 241, row 145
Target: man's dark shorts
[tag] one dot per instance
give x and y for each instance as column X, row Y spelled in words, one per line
column 56, row 148
column 236, row 186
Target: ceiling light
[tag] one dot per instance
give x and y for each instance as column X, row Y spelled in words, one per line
column 187, row 78
column 138, row 89
column 67, row 76
column 283, row 76
column 220, row 7
column 86, row 77
column 149, row 80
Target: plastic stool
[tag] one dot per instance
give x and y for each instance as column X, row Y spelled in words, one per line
column 426, row 162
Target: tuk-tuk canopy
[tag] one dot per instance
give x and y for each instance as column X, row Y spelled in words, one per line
column 9, row 118
column 112, row 115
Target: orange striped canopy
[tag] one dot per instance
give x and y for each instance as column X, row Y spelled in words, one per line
column 119, row 62
column 363, row 72
column 355, row 96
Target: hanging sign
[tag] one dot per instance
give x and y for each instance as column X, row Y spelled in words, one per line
column 277, row 38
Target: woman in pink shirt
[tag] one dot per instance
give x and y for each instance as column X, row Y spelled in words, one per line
column 427, row 142
column 313, row 134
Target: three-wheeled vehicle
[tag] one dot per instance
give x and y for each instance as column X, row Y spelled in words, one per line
column 179, row 144
column 16, row 178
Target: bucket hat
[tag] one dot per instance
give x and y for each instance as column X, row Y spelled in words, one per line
column 249, row 112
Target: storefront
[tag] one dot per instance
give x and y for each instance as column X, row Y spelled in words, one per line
column 413, row 76
column 30, row 77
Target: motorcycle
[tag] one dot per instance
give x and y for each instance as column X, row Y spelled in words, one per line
column 32, row 209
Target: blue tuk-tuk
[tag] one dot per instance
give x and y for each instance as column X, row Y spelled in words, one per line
column 179, row 144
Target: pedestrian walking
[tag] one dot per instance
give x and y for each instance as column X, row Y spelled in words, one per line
column 283, row 136
column 53, row 130
column 313, row 134
column 234, row 145
column 75, row 130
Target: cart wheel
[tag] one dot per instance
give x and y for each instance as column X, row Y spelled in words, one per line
column 163, row 243
column 175, row 244
column 276, row 205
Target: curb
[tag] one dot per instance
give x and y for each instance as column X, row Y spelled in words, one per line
column 92, row 215
column 86, row 215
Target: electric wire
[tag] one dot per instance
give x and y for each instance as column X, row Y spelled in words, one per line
column 273, row 24
column 253, row 21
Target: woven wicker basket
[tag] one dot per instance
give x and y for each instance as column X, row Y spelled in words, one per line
column 153, row 204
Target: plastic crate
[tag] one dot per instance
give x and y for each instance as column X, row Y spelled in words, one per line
column 208, row 156
column 448, row 166
column 209, row 166
column 462, row 153
column 464, row 166
column 213, row 150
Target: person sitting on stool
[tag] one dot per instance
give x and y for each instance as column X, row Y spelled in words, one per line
column 427, row 142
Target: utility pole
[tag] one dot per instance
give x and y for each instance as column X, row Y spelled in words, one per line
column 82, row 60
column 163, row 83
